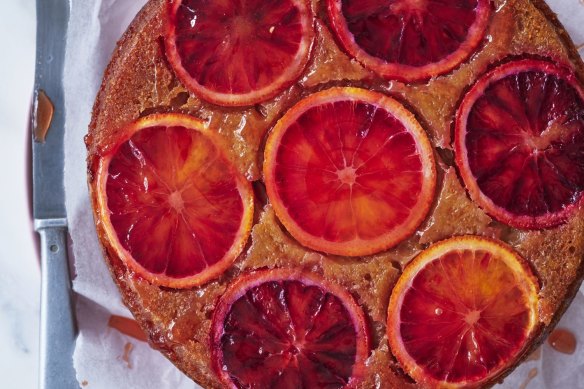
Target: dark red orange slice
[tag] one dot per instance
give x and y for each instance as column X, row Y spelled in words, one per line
column 409, row 40
column 174, row 208
column 462, row 312
column 519, row 143
column 349, row 171
column 238, row 53
column 288, row 329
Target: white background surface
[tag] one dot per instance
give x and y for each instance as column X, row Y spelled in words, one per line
column 19, row 271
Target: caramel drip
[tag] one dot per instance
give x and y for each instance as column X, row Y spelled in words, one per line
column 42, row 116
column 127, row 327
column 128, row 347
column 530, row 376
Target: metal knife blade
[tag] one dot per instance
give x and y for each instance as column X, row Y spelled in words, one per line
column 57, row 327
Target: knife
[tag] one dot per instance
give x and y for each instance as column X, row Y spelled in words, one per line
column 57, row 328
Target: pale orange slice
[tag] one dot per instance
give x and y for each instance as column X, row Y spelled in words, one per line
column 462, row 312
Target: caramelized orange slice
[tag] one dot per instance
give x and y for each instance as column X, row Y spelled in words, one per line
column 175, row 210
column 287, row 328
column 349, row 171
column 462, row 312
column 238, row 53
column 409, row 40
column 519, row 142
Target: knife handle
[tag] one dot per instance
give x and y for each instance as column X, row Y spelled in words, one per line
column 58, row 329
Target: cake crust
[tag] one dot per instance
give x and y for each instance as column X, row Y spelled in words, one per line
column 139, row 81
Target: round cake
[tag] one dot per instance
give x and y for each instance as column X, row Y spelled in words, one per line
column 342, row 193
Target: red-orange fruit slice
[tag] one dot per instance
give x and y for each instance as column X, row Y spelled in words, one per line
column 349, row 171
column 519, row 143
column 462, row 312
column 175, row 210
column 409, row 40
column 288, row 329
column 238, row 53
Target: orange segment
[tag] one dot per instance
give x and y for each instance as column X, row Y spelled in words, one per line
column 175, row 209
column 238, row 53
column 349, row 171
column 462, row 312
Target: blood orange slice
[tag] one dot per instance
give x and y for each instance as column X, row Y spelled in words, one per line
column 462, row 312
column 349, row 171
column 288, row 329
column 409, row 40
column 238, row 53
column 519, row 143
column 174, row 208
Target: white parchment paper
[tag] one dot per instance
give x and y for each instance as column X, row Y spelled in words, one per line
column 100, row 359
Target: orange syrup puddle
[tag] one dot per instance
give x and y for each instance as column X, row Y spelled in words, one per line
column 128, row 347
column 530, row 376
column 563, row 341
column 127, row 327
